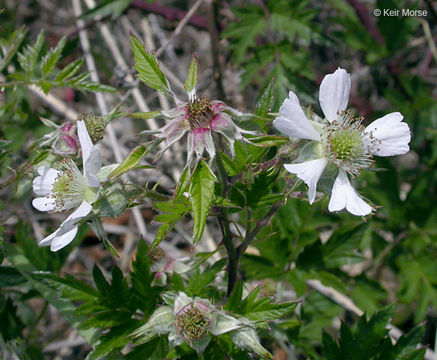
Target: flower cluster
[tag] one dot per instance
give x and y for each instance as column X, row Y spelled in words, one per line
column 67, row 189
column 340, row 140
column 194, row 321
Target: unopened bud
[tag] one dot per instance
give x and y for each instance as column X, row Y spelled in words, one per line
column 246, row 338
column 66, row 142
column 95, row 125
column 112, row 202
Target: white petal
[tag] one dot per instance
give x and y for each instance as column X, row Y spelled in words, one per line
column 63, row 240
column 388, row 136
column 85, row 141
column 309, row 172
column 344, row 196
column 71, row 221
column 181, row 301
column 43, row 185
column 44, row 203
column 94, row 162
column 334, row 93
column 68, row 229
column 293, row 122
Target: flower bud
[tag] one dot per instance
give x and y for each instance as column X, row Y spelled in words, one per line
column 95, row 125
column 112, row 202
column 247, row 338
column 66, row 140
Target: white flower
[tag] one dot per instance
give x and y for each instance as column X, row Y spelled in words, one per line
column 67, row 189
column 340, row 140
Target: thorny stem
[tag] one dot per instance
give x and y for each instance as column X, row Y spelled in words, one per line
column 225, row 229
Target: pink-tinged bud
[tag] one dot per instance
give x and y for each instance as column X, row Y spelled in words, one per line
column 159, row 279
column 66, row 142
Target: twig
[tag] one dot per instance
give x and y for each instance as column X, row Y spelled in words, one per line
column 171, row 13
column 180, row 26
column 259, row 226
column 428, row 37
column 368, row 22
column 56, row 104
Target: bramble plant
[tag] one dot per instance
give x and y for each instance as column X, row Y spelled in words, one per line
column 246, row 238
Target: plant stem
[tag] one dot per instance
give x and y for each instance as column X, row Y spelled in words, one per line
column 225, row 229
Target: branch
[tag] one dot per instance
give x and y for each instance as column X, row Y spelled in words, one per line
column 171, row 13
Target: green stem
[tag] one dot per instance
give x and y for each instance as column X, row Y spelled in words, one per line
column 225, row 229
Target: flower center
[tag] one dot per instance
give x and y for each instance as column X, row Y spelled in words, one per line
column 199, row 112
column 343, row 143
column 191, row 324
column 69, row 188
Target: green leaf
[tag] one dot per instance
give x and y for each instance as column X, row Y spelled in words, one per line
column 176, row 209
column 146, row 115
column 199, row 281
column 108, row 7
column 9, row 47
column 268, row 140
column 148, row 67
column 29, row 56
column 191, row 81
column 362, row 342
column 115, row 339
column 65, row 308
column 342, row 246
column 131, row 161
column 52, row 57
column 70, row 70
column 265, row 101
column 201, row 197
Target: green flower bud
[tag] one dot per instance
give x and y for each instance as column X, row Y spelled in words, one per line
column 112, row 202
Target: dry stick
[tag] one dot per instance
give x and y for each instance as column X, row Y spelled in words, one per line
column 213, row 28
column 170, row 13
column 180, row 26
column 349, row 305
column 56, row 104
column 428, row 36
column 83, row 35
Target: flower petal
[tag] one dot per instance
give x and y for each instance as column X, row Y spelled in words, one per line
column 44, row 203
column 71, row 221
column 309, row 172
column 344, row 196
column 198, row 140
column 334, row 93
column 388, row 136
column 85, row 141
column 293, row 122
column 43, row 185
column 67, row 230
column 94, row 162
column 63, row 240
